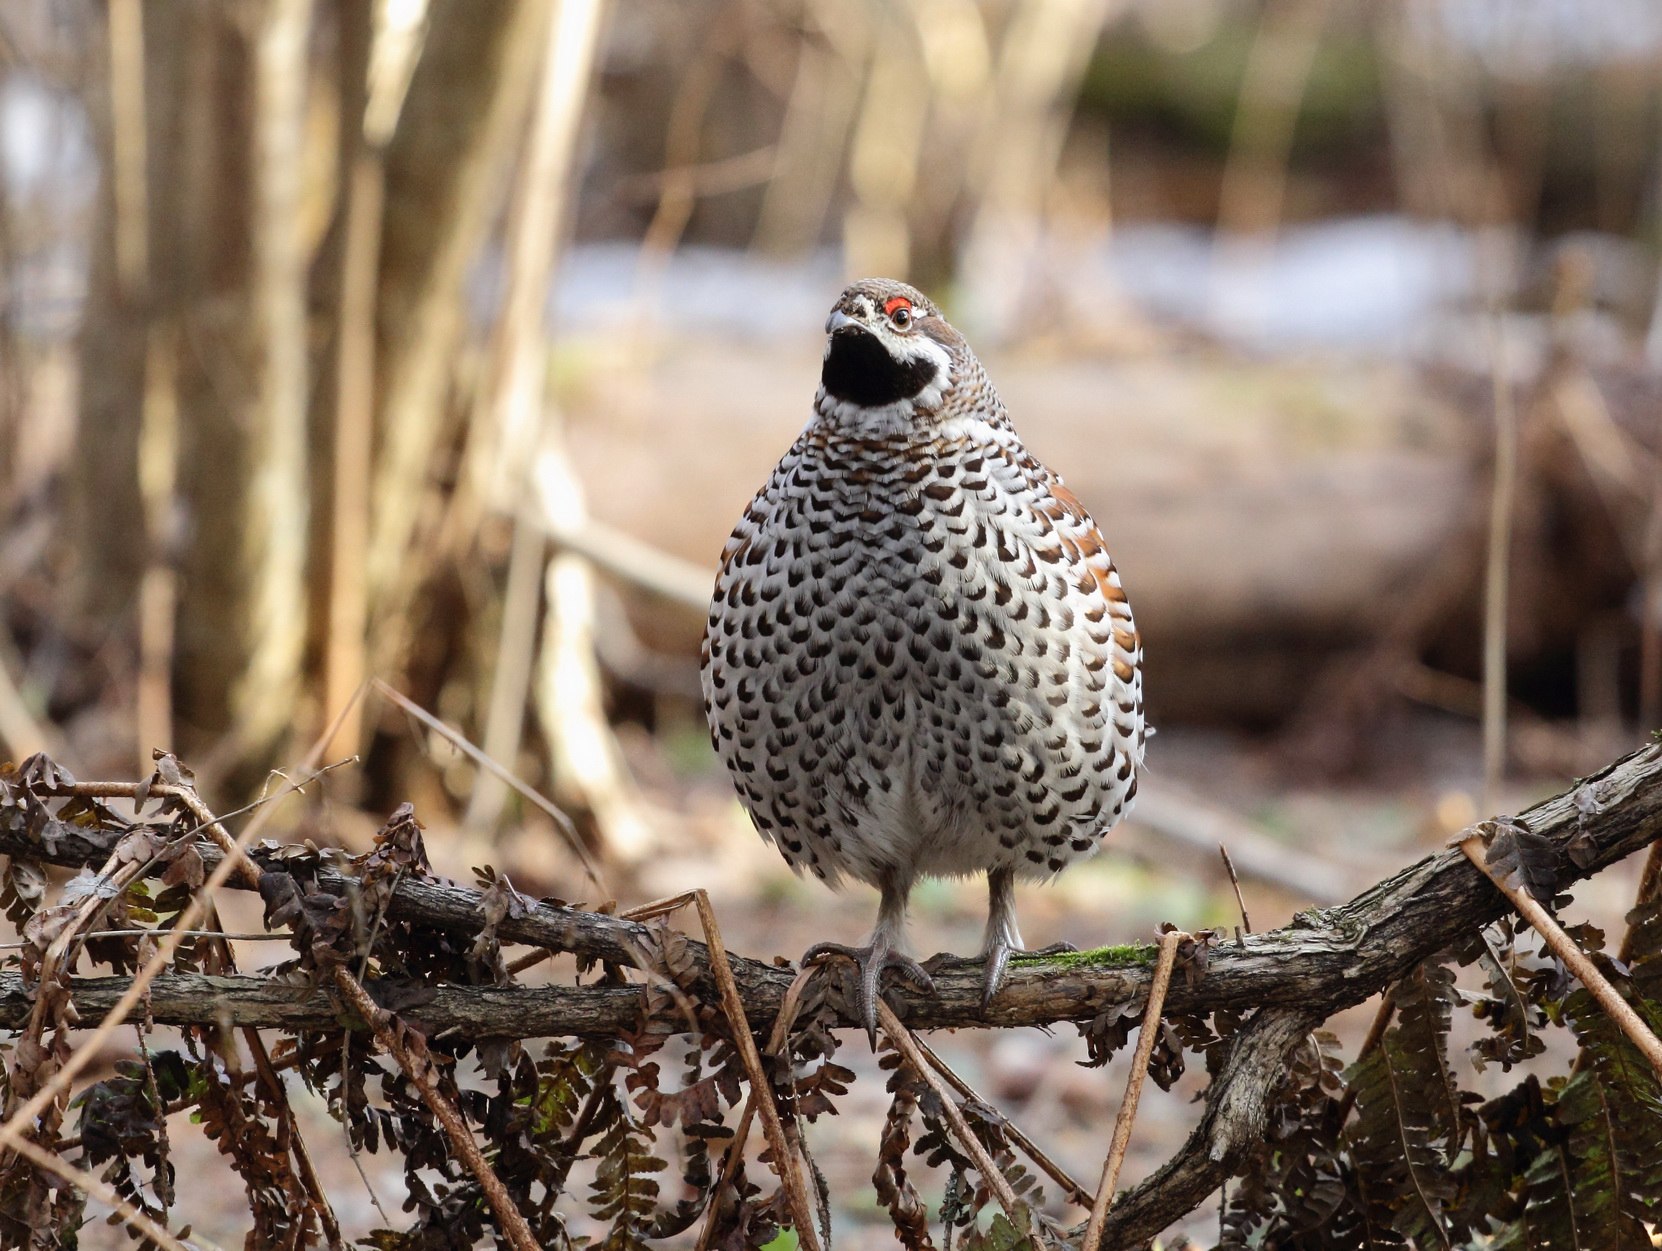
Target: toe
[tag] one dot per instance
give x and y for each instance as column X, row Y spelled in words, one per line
column 914, row 973
column 1054, row 949
column 998, row 960
column 820, row 950
column 872, row 962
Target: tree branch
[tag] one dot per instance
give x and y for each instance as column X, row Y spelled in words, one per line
column 1323, row 962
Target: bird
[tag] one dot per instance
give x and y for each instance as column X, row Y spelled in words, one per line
column 919, row 658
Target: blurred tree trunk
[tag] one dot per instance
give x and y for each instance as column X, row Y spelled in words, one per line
column 229, row 270
column 221, row 271
column 233, row 185
column 458, row 131
column 106, row 511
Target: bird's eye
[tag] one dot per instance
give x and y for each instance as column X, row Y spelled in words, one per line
column 899, row 310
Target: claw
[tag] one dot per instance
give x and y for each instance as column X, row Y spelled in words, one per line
column 998, row 963
column 871, row 960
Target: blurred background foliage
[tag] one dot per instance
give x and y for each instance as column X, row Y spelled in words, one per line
column 438, row 342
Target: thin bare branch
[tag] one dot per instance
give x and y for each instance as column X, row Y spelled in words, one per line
column 459, row 741
column 419, row 1069
column 784, row 1159
column 1133, row 1088
column 1235, row 884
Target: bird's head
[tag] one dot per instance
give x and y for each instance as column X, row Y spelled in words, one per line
column 888, row 352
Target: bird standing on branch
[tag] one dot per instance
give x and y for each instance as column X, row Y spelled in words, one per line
column 919, row 658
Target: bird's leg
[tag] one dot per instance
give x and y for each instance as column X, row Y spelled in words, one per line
column 1003, row 938
column 884, row 951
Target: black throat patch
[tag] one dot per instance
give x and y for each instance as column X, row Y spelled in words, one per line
column 860, row 370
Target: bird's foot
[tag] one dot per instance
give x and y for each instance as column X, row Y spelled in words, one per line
column 871, row 960
column 998, row 963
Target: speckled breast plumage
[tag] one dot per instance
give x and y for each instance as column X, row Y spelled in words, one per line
column 919, row 658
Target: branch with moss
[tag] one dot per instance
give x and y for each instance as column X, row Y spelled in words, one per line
column 1324, row 961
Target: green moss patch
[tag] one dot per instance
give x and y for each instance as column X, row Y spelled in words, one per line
column 1126, row 955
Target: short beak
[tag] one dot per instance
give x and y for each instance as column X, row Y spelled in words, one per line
column 841, row 323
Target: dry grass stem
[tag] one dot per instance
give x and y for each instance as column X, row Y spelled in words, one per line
column 1562, row 946
column 420, row 1072
column 1235, row 884
column 784, row 1159
column 1133, row 1088
column 908, row 1047
column 735, row 1152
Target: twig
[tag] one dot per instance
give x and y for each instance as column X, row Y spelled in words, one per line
column 112, row 879
column 908, row 1047
column 637, row 563
column 1173, row 814
column 296, row 1143
column 1133, row 1088
column 209, row 824
column 206, row 821
column 459, row 741
column 1235, row 883
column 785, row 1161
column 1075, row 1192
column 420, row 1072
column 716, row 177
column 147, row 932
column 1375, row 1035
column 250, row 876
column 1236, row 1115
column 568, row 1153
column 776, row 1041
column 1562, row 946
